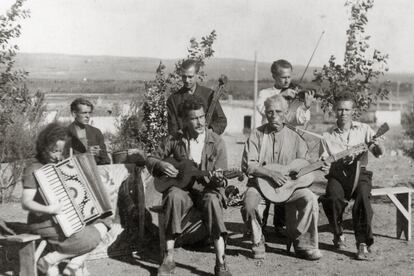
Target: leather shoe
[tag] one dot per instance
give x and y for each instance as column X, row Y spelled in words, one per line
column 339, row 242
column 363, row 254
column 166, row 268
column 222, row 270
column 309, row 254
column 259, row 249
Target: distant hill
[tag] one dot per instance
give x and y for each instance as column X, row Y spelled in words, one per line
column 77, row 67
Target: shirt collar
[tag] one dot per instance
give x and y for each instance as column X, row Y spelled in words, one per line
column 269, row 130
column 199, row 138
column 354, row 125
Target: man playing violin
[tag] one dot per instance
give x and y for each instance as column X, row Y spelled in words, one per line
column 343, row 183
column 189, row 75
column 275, row 143
column 207, row 149
column 299, row 112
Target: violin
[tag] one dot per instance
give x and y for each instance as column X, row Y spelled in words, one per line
column 301, row 91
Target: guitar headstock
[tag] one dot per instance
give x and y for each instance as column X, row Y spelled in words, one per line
column 382, row 130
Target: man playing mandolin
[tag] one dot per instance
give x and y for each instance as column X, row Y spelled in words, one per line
column 189, row 75
column 207, row 150
column 274, row 143
column 344, row 181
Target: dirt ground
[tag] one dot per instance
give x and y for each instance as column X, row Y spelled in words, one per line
column 392, row 256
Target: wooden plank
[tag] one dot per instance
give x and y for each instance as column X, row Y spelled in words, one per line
column 403, row 222
column 27, row 260
column 391, row 190
column 22, row 238
column 399, row 206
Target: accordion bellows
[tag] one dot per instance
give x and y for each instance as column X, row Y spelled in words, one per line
column 76, row 183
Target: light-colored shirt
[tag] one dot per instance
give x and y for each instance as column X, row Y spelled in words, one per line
column 265, row 146
column 337, row 140
column 196, row 148
column 298, row 114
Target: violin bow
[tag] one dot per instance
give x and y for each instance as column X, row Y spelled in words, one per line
column 311, row 57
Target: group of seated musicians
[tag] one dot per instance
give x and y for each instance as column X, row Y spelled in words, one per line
column 271, row 143
column 191, row 139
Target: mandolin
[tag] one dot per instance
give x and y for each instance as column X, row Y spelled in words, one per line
column 187, row 174
column 299, row 172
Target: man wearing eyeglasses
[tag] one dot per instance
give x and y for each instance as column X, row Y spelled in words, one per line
column 84, row 137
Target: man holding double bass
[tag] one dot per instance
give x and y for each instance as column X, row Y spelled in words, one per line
column 208, row 152
column 274, row 143
column 189, row 75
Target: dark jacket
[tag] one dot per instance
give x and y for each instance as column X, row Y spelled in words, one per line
column 214, row 155
column 94, row 137
column 218, row 122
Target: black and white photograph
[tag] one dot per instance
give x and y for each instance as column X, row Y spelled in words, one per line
column 206, row 137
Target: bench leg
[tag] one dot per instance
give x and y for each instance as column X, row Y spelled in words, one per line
column 27, row 259
column 161, row 227
column 404, row 222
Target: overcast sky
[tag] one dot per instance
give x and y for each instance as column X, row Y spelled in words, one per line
column 162, row 28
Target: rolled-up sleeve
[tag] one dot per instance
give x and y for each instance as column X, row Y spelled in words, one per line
column 163, row 150
column 251, row 152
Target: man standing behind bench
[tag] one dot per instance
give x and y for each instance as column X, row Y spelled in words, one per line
column 341, row 178
column 208, row 152
column 189, row 76
column 84, row 137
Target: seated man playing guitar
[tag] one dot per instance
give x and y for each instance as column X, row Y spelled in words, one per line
column 349, row 178
column 207, row 150
column 274, row 143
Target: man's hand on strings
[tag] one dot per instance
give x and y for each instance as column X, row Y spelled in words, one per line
column 277, row 178
column 168, row 169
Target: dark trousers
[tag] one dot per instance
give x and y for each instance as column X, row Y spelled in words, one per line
column 178, row 203
column 338, row 192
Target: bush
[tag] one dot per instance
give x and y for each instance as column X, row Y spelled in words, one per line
column 20, row 112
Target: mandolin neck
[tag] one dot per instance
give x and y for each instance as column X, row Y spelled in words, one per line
column 332, row 158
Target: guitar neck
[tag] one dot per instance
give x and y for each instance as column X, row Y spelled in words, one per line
column 317, row 165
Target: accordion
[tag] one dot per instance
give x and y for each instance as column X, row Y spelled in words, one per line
column 76, row 183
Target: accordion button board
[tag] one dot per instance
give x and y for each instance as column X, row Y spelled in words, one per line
column 66, row 182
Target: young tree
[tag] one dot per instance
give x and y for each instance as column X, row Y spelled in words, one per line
column 361, row 67
column 20, row 112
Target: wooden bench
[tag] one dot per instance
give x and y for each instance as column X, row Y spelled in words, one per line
column 401, row 197
column 20, row 254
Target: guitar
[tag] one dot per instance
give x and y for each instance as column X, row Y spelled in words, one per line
column 300, row 172
column 187, row 172
column 216, row 96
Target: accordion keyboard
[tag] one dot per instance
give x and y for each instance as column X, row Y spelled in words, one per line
column 54, row 191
